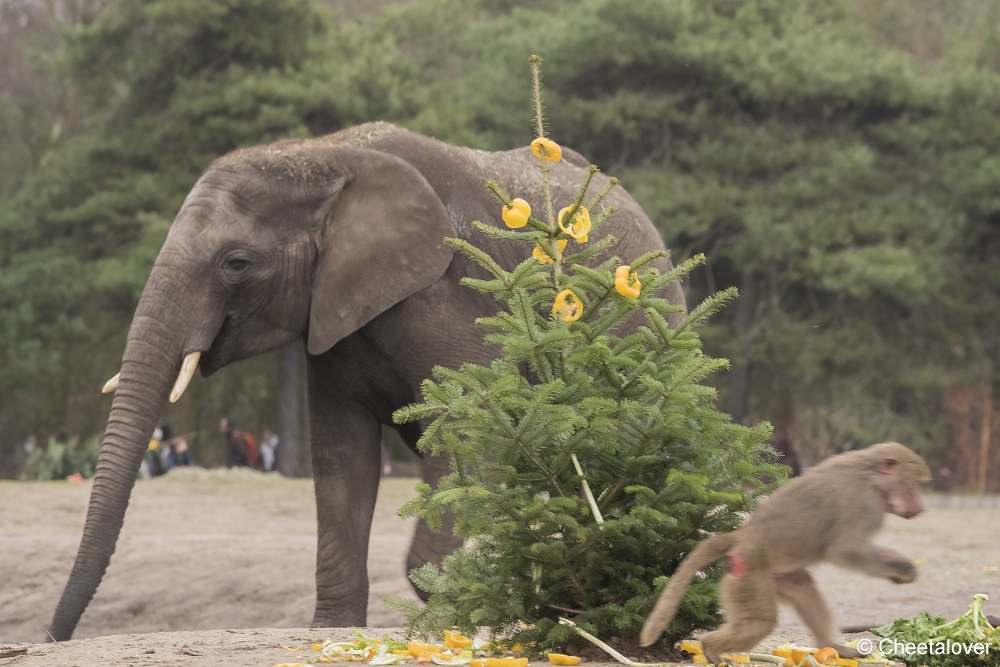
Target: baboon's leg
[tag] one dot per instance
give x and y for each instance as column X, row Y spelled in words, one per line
column 800, row 590
column 751, row 609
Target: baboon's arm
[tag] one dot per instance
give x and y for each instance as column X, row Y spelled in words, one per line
column 875, row 561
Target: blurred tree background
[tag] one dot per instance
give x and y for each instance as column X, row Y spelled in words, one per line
column 837, row 160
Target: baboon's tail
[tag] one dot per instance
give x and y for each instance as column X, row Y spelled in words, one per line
column 710, row 550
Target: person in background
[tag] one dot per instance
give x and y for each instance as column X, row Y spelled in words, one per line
column 152, row 463
column 268, row 444
column 166, row 449
column 181, row 452
column 241, row 445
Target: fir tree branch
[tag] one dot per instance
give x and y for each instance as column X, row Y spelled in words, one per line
column 516, row 438
column 565, row 609
column 591, row 170
column 509, row 234
column 528, row 315
column 543, row 164
column 498, row 192
column 612, row 182
column 477, row 255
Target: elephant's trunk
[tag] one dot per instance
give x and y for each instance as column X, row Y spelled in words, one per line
column 151, row 362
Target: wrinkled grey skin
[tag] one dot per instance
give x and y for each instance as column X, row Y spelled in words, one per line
column 338, row 240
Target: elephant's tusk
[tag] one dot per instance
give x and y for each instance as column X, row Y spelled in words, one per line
column 187, row 372
column 112, row 384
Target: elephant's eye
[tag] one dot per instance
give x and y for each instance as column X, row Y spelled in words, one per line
column 237, row 265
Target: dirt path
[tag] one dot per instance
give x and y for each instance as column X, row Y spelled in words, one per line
column 198, row 551
column 203, row 551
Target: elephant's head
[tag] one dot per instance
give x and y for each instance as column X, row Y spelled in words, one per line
column 299, row 238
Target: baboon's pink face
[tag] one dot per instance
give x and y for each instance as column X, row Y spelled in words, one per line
column 905, row 503
column 903, row 485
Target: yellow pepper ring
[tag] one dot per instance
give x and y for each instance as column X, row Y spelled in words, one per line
column 515, row 215
column 562, row 659
column 553, row 153
column 622, row 281
column 579, row 228
column 543, row 257
column 570, row 311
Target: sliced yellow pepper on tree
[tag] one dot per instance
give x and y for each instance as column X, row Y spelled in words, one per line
column 553, row 153
column 515, row 215
column 579, row 226
column 543, row 257
column 623, row 275
column 568, row 306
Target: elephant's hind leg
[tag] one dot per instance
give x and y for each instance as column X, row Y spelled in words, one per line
column 430, row 546
column 346, row 456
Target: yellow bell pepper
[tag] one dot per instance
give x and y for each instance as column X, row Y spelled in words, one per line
column 792, row 655
column 543, row 257
column 506, row 662
column 419, row 650
column 515, row 215
column 622, row 279
column 456, row 640
column 579, row 227
column 569, row 310
column 553, row 153
column 783, row 652
column 691, row 646
column 562, row 659
column 847, row 662
column 799, row 655
column 827, row 656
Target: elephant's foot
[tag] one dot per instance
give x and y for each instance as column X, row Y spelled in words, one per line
column 330, row 615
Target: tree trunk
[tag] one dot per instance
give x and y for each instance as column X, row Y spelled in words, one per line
column 290, row 399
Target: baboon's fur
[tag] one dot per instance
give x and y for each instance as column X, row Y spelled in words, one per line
column 828, row 514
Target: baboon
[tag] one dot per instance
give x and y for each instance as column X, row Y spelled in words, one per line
column 828, row 514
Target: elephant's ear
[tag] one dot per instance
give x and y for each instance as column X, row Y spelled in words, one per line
column 380, row 240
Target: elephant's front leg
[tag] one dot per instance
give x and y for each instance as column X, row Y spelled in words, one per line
column 346, row 453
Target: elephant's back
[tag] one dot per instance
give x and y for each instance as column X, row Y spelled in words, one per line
column 517, row 171
column 458, row 175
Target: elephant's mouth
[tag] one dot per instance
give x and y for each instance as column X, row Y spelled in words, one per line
column 239, row 338
column 217, row 355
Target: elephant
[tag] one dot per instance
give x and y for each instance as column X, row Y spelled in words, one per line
column 337, row 240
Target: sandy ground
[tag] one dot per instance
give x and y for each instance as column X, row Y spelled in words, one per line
column 204, row 551
column 200, row 550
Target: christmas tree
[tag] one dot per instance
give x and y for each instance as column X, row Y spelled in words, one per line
column 581, row 484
